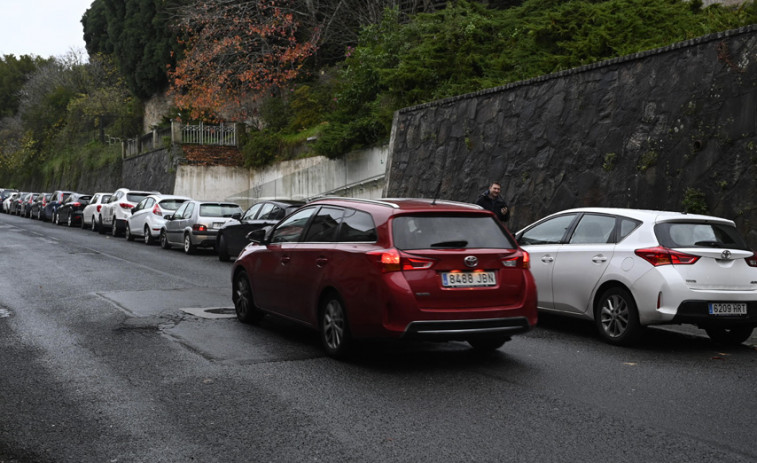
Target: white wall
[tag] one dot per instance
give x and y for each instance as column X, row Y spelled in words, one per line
column 360, row 174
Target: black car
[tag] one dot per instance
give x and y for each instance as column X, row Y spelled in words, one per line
column 26, row 204
column 232, row 238
column 70, row 212
column 57, row 198
column 37, row 210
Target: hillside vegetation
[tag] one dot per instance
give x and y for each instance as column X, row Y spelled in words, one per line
column 65, row 111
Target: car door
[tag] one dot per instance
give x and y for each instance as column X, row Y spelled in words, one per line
column 173, row 226
column 543, row 242
column 581, row 262
column 138, row 215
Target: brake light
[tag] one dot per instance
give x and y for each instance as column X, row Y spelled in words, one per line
column 664, row 256
column 752, row 260
column 125, row 205
column 391, row 260
column 75, row 204
column 157, row 211
column 522, row 260
column 99, row 206
column 198, row 227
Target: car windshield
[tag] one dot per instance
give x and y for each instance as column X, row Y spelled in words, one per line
column 219, row 210
column 439, row 232
column 697, row 234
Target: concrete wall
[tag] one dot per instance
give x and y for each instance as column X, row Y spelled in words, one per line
column 660, row 130
column 359, row 174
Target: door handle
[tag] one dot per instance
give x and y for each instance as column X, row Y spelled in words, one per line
column 599, row 259
column 547, row 259
column 321, row 262
column 285, row 260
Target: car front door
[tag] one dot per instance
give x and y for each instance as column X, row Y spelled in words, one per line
column 173, row 226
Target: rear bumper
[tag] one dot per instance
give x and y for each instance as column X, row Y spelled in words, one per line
column 450, row 330
column 696, row 312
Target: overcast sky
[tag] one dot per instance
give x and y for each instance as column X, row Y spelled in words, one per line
column 41, row 27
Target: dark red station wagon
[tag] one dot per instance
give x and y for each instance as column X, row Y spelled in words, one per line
column 391, row 268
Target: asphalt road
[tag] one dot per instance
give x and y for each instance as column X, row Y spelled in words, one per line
column 112, row 351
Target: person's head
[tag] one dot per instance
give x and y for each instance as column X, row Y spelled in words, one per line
column 494, row 189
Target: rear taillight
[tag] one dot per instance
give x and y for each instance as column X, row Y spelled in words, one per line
column 751, row 260
column 125, row 205
column 664, row 256
column 522, row 260
column 390, row 260
column 99, row 206
column 157, row 210
column 198, row 227
column 75, row 204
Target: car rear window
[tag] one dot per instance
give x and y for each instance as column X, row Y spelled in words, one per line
column 172, row 204
column 439, row 232
column 697, row 234
column 136, row 197
column 219, row 210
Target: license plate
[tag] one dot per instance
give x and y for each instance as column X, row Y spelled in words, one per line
column 727, row 308
column 468, row 279
column 218, row 224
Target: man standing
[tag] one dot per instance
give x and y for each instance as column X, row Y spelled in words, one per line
column 492, row 201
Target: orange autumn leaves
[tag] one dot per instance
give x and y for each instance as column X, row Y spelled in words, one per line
column 235, row 50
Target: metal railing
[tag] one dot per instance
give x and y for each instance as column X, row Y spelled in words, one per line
column 201, row 134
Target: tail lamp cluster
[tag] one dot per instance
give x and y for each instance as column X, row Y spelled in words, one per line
column 393, row 260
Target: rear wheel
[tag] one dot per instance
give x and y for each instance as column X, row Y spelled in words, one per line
column 94, row 224
column 148, row 236
column 189, row 248
column 164, row 240
column 244, row 304
column 100, row 228
column 730, row 336
column 617, row 318
column 485, row 343
column 127, row 233
column 334, row 328
column 114, row 228
column 223, row 252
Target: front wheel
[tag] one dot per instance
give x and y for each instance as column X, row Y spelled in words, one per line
column 70, row 221
column 100, row 228
column 148, row 236
column 617, row 318
column 164, row 240
column 223, row 252
column 127, row 233
column 729, row 336
column 244, row 304
column 114, row 228
column 94, row 224
column 334, row 328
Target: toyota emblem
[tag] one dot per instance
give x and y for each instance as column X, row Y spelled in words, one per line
column 726, row 255
column 471, row 261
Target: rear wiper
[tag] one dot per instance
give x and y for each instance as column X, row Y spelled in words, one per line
column 711, row 244
column 450, row 244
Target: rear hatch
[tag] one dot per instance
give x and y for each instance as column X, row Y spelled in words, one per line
column 722, row 261
column 459, row 261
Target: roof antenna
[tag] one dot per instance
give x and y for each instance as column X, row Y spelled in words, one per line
column 436, row 193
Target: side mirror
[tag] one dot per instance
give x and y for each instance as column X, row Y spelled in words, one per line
column 259, row 236
column 236, row 216
column 168, row 217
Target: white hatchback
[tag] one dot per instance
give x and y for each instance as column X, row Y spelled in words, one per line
column 628, row 268
column 147, row 217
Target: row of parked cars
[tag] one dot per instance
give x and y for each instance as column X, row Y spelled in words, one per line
column 440, row 270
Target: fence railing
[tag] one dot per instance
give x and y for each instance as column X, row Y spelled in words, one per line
column 178, row 133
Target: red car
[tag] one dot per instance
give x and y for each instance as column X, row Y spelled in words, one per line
column 405, row 268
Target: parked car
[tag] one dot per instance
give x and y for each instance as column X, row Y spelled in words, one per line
column 56, row 199
column 38, row 206
column 147, row 217
column 91, row 211
column 195, row 224
column 404, row 268
column 25, row 205
column 14, row 206
column 70, row 212
column 626, row 269
column 232, row 238
column 114, row 213
column 4, row 193
column 8, row 199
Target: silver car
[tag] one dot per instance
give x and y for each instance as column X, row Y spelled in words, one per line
column 148, row 216
column 626, row 269
column 196, row 223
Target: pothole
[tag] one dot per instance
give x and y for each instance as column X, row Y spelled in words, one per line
column 211, row 312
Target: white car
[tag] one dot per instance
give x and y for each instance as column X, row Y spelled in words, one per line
column 626, row 269
column 91, row 212
column 117, row 210
column 7, row 202
column 146, row 218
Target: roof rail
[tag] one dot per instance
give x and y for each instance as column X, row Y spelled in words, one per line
column 441, row 201
column 358, row 200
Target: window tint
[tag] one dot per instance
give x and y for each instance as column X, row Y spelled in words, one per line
column 357, row 226
column 219, row 210
column 324, row 225
column 135, row 197
column 595, row 229
column 548, row 232
column 171, row 204
column 708, row 235
column 438, row 232
column 250, row 214
column 276, row 213
column 291, row 229
column 263, row 215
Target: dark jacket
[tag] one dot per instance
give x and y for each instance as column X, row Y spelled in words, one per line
column 495, row 205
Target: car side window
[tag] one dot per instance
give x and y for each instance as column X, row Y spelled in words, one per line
column 250, row 214
column 550, row 231
column 357, row 226
column 626, row 227
column 180, row 211
column 139, row 206
column 323, row 226
column 188, row 211
column 265, row 211
column 593, row 229
column 291, row 229
column 276, row 213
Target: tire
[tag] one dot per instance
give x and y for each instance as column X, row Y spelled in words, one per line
column 100, row 228
column 189, row 248
column 223, row 252
column 148, row 236
column 127, row 233
column 70, row 221
column 333, row 327
column 617, row 318
column 94, row 224
column 39, row 214
column 83, row 225
column 729, row 336
column 164, row 240
column 488, row 343
column 244, row 304
column 55, row 218
column 114, row 228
